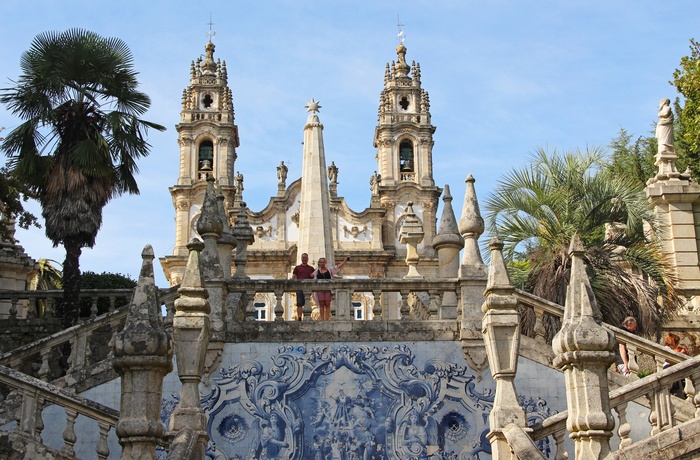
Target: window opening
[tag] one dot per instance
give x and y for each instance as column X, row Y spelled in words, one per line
column 260, row 311
column 206, row 156
column 358, row 310
column 207, row 101
column 404, row 103
column 406, row 156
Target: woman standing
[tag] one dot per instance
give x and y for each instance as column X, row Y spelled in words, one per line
column 324, row 298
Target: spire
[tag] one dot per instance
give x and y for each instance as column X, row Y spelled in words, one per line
column 315, row 234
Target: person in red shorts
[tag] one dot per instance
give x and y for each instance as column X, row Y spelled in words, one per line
column 302, row 271
column 324, row 297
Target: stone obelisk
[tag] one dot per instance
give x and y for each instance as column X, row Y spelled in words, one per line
column 315, row 234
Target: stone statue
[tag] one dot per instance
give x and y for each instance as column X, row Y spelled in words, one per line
column 374, row 182
column 239, row 183
column 282, row 174
column 664, row 127
column 333, row 173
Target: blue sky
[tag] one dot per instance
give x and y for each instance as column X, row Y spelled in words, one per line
column 504, row 78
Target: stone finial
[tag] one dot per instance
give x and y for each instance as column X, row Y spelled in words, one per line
column 208, row 66
column 498, row 280
column 501, row 329
column 143, row 324
column 411, row 234
column 143, row 352
column 210, row 226
column 448, row 231
column 471, row 226
column 448, row 242
column 210, row 220
column 583, row 352
column 191, row 333
column 226, row 242
column 193, row 278
column 245, row 237
column 402, row 68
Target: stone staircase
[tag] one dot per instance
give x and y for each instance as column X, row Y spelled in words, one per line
column 25, row 374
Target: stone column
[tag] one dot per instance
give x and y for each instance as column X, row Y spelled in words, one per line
column 226, row 242
column 584, row 351
column 411, row 235
column 210, row 226
column 191, row 334
column 472, row 280
column 143, row 353
column 501, row 334
column 448, row 243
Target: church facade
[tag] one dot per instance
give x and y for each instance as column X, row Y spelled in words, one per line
column 307, row 215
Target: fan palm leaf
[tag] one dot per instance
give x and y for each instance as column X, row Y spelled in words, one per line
column 80, row 139
column 541, row 206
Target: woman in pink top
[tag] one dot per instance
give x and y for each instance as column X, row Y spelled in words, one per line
column 323, row 298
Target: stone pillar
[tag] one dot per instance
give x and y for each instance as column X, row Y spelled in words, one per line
column 472, row 280
column 245, row 237
column 448, row 243
column 411, row 235
column 143, row 353
column 584, row 351
column 501, row 335
column 191, row 334
column 675, row 199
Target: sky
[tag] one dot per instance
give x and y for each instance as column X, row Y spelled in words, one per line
column 505, row 77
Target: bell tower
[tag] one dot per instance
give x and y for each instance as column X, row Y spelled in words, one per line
column 404, row 142
column 208, row 138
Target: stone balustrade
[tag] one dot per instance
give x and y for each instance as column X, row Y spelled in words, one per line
column 636, row 345
column 71, row 356
column 41, row 304
column 36, row 394
column 377, row 290
column 665, row 413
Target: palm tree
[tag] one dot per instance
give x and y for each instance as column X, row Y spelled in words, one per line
column 537, row 210
column 80, row 139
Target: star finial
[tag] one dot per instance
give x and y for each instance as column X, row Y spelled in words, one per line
column 312, row 106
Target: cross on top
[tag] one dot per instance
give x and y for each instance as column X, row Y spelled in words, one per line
column 401, row 35
column 211, row 34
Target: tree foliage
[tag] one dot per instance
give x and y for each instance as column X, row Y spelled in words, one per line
column 13, row 193
column 686, row 79
column 81, row 137
column 536, row 210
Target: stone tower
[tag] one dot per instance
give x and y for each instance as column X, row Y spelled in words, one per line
column 208, row 137
column 404, row 142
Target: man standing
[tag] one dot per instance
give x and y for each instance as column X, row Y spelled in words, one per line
column 302, row 271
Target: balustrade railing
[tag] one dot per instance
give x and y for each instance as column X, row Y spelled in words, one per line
column 414, row 299
column 655, row 388
column 635, row 344
column 78, row 348
column 41, row 304
column 37, row 394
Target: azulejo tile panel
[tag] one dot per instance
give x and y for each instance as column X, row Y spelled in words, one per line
column 348, row 402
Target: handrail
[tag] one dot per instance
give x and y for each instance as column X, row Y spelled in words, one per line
column 653, row 383
column 36, row 394
column 660, row 353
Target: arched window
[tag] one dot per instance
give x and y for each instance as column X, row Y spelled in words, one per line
column 406, row 156
column 206, row 156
